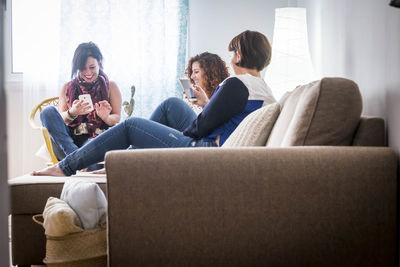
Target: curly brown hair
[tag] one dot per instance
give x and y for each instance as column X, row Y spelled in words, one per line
column 214, row 68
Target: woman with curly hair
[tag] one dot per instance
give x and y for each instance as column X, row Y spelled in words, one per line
column 205, row 71
column 232, row 101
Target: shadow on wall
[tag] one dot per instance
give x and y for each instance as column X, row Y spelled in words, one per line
column 395, row 3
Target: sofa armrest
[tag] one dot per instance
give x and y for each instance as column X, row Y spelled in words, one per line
column 298, row 206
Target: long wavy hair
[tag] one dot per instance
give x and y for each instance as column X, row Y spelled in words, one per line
column 214, row 68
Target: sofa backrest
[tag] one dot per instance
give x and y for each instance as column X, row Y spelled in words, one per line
column 370, row 132
column 325, row 112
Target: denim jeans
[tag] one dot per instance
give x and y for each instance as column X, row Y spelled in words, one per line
column 174, row 113
column 60, row 133
column 63, row 140
column 139, row 133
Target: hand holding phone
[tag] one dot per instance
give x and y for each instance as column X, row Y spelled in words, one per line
column 87, row 99
column 201, row 96
column 185, row 83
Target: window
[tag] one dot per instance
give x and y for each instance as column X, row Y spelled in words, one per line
column 18, row 13
column 9, row 74
column 143, row 44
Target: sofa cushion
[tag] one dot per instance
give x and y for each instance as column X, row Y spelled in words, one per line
column 324, row 112
column 370, row 132
column 255, row 128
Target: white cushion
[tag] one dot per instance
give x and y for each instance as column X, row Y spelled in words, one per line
column 87, row 200
column 255, row 128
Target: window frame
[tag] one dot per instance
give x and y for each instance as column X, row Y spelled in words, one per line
column 9, row 75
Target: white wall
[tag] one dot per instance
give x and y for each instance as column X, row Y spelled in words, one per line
column 213, row 24
column 22, row 159
column 351, row 39
column 360, row 40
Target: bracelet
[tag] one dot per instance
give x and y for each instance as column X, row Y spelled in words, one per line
column 70, row 116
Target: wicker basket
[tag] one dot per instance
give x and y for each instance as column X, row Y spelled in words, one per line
column 84, row 249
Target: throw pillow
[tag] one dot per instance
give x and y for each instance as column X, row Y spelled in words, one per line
column 255, row 128
column 321, row 113
column 59, row 219
column 87, row 200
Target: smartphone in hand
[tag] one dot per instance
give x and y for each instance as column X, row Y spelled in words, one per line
column 185, row 83
column 87, row 99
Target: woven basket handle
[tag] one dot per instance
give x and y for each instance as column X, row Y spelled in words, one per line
column 36, row 217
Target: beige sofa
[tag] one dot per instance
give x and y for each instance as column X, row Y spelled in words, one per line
column 317, row 194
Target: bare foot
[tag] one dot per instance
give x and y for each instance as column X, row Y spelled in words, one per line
column 49, row 171
column 101, row 171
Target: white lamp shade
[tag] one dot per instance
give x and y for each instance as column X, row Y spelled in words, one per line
column 291, row 62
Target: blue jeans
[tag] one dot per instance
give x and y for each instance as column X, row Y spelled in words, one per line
column 63, row 140
column 60, row 133
column 139, row 133
column 174, row 113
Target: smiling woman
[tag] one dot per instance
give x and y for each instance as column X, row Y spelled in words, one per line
column 77, row 120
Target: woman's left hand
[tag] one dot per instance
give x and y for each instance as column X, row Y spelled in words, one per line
column 103, row 109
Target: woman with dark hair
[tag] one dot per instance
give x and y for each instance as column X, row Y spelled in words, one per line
column 74, row 123
column 232, row 101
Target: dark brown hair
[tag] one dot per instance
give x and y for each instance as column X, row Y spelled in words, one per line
column 82, row 52
column 214, row 68
column 254, row 48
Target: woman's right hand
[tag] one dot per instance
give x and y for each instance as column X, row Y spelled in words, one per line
column 190, row 103
column 201, row 96
column 79, row 107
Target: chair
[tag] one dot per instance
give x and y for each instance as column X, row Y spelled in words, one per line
column 47, row 102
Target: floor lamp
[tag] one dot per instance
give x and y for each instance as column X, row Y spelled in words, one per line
column 291, row 61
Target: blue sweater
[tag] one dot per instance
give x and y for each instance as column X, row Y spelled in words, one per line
column 234, row 99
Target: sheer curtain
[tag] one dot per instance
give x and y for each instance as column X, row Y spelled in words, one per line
column 143, row 44
column 40, row 71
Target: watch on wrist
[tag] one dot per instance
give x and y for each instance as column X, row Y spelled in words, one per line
column 70, row 115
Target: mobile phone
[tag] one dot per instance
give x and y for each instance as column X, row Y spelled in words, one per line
column 185, row 83
column 87, row 99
